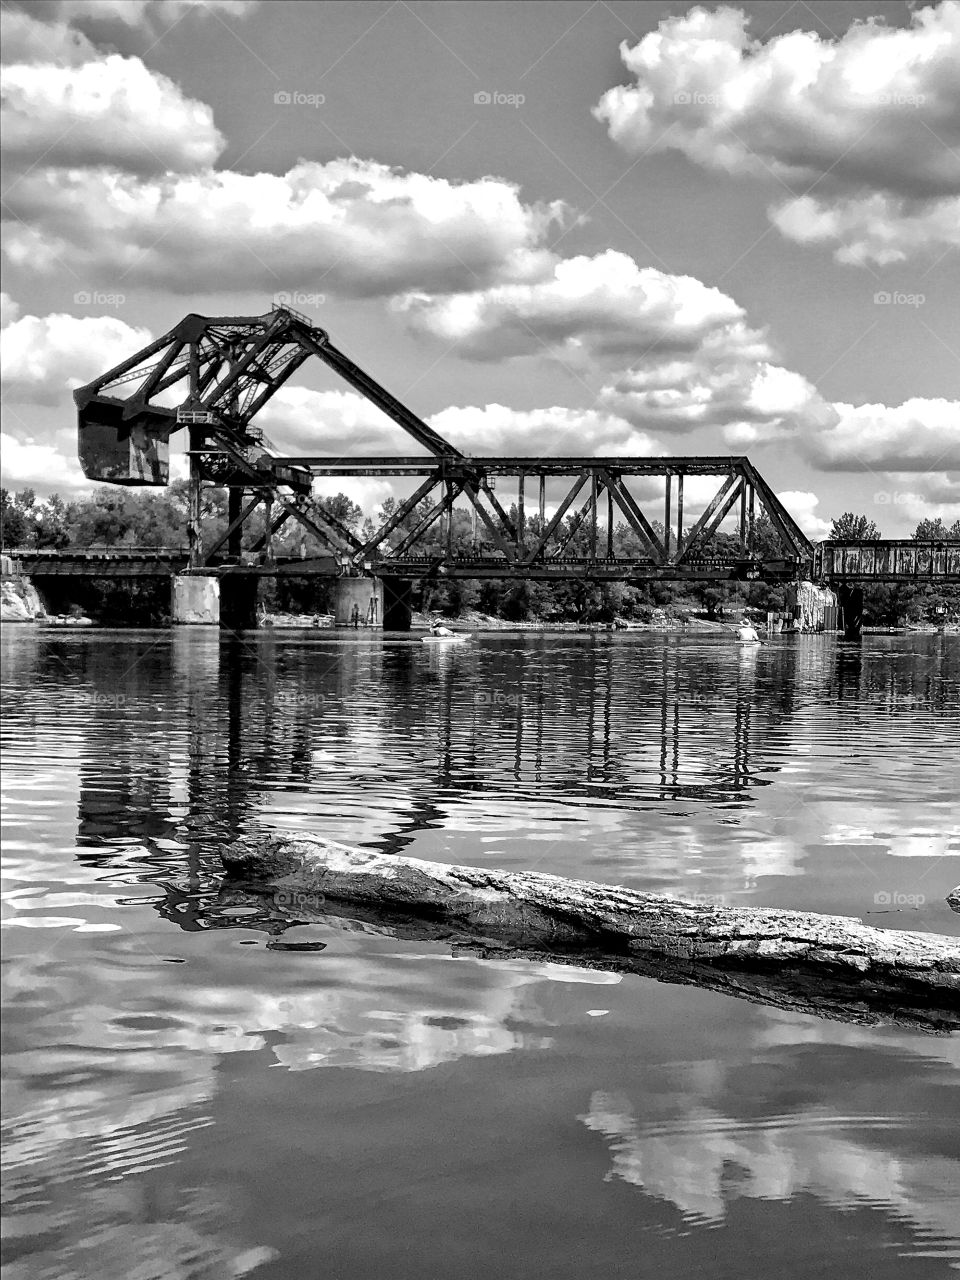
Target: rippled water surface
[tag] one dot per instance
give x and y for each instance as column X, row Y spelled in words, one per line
column 184, row 1101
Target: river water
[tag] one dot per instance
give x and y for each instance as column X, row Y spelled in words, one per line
column 183, row 1100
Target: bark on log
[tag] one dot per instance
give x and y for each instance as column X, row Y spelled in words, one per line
column 833, row 966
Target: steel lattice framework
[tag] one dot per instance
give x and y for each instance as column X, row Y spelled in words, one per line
column 211, row 376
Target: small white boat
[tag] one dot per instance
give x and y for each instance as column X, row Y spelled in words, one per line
column 455, row 637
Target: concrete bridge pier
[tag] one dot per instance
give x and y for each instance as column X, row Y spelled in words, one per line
column 238, row 601
column 850, row 599
column 397, row 604
column 195, row 599
column 358, row 602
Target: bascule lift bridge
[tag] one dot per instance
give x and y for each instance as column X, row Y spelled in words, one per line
column 211, row 376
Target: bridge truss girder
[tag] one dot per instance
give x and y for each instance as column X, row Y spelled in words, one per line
column 596, row 494
column 222, row 371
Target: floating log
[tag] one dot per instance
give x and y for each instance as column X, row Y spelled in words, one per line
column 832, row 966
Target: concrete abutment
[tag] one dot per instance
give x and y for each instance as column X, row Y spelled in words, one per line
column 195, row 600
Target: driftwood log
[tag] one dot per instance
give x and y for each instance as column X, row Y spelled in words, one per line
column 832, row 966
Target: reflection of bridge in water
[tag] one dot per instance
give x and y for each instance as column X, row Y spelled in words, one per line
column 387, row 745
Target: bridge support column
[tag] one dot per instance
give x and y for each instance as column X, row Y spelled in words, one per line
column 358, row 602
column 195, row 598
column 238, row 601
column 850, row 599
column 397, row 604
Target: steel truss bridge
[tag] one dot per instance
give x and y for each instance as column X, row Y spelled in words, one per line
column 211, row 377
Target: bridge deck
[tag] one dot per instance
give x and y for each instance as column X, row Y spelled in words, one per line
column 893, row 560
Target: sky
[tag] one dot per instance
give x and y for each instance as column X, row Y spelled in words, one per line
column 550, row 228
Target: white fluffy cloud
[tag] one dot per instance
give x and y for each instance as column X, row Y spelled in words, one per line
column 740, row 391
column 28, row 462
column 352, row 227
column 299, row 421
column 44, row 357
column 24, row 39
column 802, row 504
column 499, row 430
column 876, row 228
column 605, row 304
column 916, row 436
column 901, row 499
column 875, row 111
column 109, row 111
column 9, row 309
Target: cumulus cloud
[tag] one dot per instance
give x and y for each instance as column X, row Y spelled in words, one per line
column 878, row 228
column 24, row 39
column 109, row 111
column 36, row 463
column 739, row 390
column 498, row 429
column 9, row 309
column 299, row 420
column 603, row 304
column 140, row 13
column 44, row 357
column 917, row 436
column 352, row 227
column 875, row 111
column 901, row 499
column 802, row 504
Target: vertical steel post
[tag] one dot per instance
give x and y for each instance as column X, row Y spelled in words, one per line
column 751, row 521
column 609, row 523
column 234, row 507
column 195, row 439
column 743, row 519
column 268, row 530
column 521, row 515
column 679, row 512
column 593, row 515
column 667, row 530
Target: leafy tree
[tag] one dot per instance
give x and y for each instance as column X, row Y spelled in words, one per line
column 936, row 530
column 16, row 523
column 855, row 527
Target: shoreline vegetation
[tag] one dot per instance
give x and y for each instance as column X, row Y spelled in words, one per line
column 114, row 518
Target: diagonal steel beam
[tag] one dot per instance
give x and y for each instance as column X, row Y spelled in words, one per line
column 275, row 527
column 724, row 498
column 378, row 395
column 782, row 520
column 635, row 517
column 504, row 518
column 308, row 513
column 401, row 513
column 248, row 510
column 430, row 518
column 558, row 515
column 573, row 528
column 253, row 352
column 156, row 379
column 508, row 548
